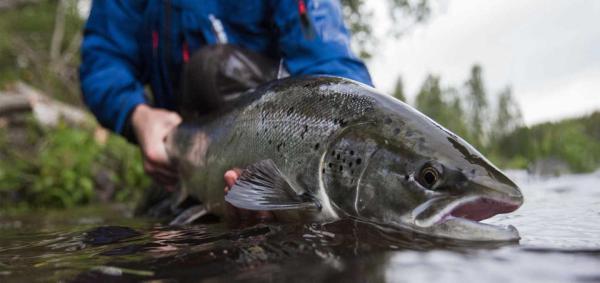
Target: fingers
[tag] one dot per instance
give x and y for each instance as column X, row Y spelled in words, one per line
column 230, row 177
column 152, row 126
column 157, row 165
column 156, row 162
column 162, row 175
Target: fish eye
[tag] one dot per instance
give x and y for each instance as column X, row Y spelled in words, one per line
column 429, row 176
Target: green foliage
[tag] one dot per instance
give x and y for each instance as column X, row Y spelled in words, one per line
column 476, row 99
column 508, row 116
column 574, row 141
column 399, row 90
column 429, row 100
column 25, row 48
column 62, row 167
column 403, row 13
column 500, row 135
column 442, row 106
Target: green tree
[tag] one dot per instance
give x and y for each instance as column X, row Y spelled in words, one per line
column 572, row 141
column 508, row 115
column 399, row 90
column 429, row 99
column 443, row 106
column 477, row 103
column 403, row 13
column 456, row 115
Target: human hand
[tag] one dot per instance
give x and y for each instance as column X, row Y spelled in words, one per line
column 243, row 215
column 151, row 127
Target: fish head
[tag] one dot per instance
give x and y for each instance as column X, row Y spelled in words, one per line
column 410, row 172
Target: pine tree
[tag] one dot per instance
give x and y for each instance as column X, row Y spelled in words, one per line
column 399, row 90
column 508, row 115
column 477, row 107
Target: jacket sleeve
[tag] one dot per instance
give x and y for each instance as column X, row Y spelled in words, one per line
column 326, row 50
column 110, row 72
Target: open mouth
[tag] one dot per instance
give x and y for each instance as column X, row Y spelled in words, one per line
column 459, row 218
column 482, row 208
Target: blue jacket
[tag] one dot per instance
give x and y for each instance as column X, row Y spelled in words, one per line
column 129, row 44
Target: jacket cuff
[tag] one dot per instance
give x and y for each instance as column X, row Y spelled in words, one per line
column 127, row 131
column 124, row 124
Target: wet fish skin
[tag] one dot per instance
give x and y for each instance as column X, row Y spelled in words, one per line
column 356, row 152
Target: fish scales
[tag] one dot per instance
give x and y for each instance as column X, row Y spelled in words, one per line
column 292, row 127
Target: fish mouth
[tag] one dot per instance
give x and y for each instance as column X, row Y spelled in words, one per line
column 481, row 208
column 459, row 218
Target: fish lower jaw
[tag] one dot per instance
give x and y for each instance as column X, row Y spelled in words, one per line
column 460, row 220
column 474, row 209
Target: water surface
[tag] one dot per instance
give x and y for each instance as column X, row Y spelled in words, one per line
column 559, row 225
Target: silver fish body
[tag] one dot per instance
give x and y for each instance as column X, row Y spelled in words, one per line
column 327, row 147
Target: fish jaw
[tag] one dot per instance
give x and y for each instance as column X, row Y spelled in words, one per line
column 458, row 218
column 469, row 230
column 462, row 222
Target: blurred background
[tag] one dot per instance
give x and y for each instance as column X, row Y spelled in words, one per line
column 520, row 80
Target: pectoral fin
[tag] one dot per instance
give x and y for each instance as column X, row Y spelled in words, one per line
column 262, row 186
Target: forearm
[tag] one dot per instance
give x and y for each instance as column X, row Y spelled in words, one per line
column 110, row 70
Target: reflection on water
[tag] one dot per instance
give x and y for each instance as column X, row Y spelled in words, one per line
column 558, row 223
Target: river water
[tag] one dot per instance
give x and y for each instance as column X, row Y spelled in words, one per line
column 559, row 225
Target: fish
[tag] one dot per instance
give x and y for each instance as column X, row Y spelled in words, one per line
column 323, row 148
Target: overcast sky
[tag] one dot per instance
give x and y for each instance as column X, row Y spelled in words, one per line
column 548, row 51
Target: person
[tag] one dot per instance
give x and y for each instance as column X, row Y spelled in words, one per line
column 130, row 44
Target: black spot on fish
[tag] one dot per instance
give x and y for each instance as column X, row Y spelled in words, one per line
column 396, row 131
column 344, row 160
column 323, row 171
column 330, row 165
column 279, row 146
column 290, row 111
column 352, row 152
column 387, row 120
column 316, row 146
column 358, row 161
column 406, row 177
column 333, row 153
column 337, row 156
column 270, row 141
column 304, row 131
column 341, row 168
column 350, row 164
